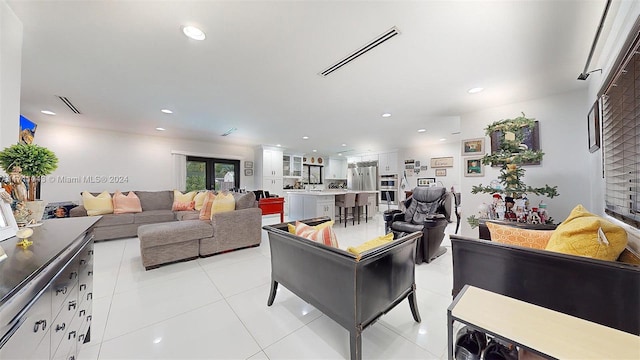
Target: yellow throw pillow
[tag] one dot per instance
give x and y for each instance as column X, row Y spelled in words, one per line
column 322, row 233
column 292, row 228
column 578, row 235
column 183, row 198
column 373, row 243
column 535, row 239
column 199, row 199
column 223, row 202
column 97, row 205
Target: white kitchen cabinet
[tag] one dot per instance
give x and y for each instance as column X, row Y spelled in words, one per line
column 370, row 157
column 388, row 163
column 268, row 170
column 292, row 165
column 337, row 169
column 308, row 205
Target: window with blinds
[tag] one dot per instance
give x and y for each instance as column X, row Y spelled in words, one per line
column 621, row 136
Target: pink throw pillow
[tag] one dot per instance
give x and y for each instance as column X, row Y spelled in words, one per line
column 126, row 204
column 183, row 205
column 205, row 212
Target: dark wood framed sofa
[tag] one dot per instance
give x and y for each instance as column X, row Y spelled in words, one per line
column 352, row 292
column 604, row 292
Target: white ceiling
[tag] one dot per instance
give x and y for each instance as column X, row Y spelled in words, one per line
column 121, row 62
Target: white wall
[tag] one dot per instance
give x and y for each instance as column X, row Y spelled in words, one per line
column 563, row 139
column 10, row 72
column 145, row 161
column 424, row 155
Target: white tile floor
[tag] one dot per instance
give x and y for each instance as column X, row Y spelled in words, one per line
column 215, row 308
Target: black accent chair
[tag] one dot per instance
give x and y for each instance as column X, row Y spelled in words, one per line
column 428, row 210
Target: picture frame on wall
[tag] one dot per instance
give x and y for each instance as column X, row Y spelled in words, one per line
column 473, row 166
column 441, row 172
column 473, row 147
column 248, row 165
column 442, row 162
column 248, row 172
column 593, row 127
column 531, row 140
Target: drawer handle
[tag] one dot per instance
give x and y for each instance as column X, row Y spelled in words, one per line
column 81, row 338
column 83, row 261
column 81, row 313
column 74, row 274
column 63, row 291
column 36, row 326
column 90, row 272
column 83, row 287
column 89, row 317
column 90, row 252
column 72, row 304
column 72, row 357
column 89, row 296
column 60, row 327
column 72, row 333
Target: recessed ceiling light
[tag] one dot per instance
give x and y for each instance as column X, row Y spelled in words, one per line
column 443, row 139
column 344, row 144
column 386, row 115
column 339, row 154
column 475, row 90
column 422, row 130
column 167, row 111
column 193, row 32
column 314, row 150
column 160, row 129
column 278, row 145
column 305, row 138
column 47, row 112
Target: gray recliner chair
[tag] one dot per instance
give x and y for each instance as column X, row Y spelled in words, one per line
column 427, row 210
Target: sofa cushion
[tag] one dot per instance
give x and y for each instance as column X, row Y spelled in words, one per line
column 123, row 204
column 578, row 235
column 174, row 232
column 154, row 216
column 183, row 205
column 245, row 200
column 187, row 215
column 324, row 235
column 292, row 227
column 155, row 200
column 368, row 245
column 115, row 219
column 205, row 212
column 97, row 205
column 535, row 239
column 199, row 199
column 223, row 202
column 186, row 197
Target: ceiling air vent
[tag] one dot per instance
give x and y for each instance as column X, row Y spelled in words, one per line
column 69, row 104
column 363, row 50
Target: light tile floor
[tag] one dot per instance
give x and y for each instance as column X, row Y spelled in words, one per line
column 215, row 308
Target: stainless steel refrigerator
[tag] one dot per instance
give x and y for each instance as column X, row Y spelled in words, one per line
column 363, row 176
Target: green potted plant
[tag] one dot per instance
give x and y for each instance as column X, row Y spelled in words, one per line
column 33, row 161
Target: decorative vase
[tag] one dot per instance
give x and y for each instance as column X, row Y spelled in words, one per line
column 37, row 210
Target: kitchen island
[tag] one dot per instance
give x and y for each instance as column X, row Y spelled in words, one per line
column 312, row 204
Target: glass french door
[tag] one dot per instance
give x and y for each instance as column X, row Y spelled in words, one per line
column 212, row 174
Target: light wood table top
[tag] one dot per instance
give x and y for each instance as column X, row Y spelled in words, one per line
column 550, row 332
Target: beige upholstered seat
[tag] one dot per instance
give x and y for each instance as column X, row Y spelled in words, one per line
column 346, row 201
column 362, row 200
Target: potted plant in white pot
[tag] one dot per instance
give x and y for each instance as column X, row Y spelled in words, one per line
column 34, row 162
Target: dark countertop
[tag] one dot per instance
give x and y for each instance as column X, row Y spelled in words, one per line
column 50, row 240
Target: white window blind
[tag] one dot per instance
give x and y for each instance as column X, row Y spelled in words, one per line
column 621, row 137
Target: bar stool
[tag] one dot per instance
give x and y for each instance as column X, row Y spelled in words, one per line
column 362, row 199
column 346, row 201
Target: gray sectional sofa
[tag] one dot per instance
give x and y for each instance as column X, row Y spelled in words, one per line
column 167, row 236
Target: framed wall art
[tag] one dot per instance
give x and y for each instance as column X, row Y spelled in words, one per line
column 441, row 172
column 593, row 127
column 531, row 139
column 473, row 147
column 442, row 162
column 473, row 166
column 248, row 172
column 248, row 164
